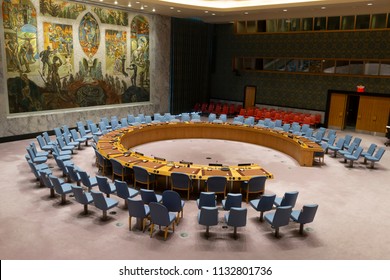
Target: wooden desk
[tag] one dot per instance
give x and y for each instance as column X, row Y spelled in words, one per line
column 118, row 144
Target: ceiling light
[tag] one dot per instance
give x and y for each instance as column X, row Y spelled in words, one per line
column 323, row 8
column 137, row 2
column 213, row 14
column 246, row 13
column 129, row 5
column 116, row 2
column 142, row 7
column 101, row 0
column 285, row 10
column 153, row 10
column 178, row 11
column 171, row 8
column 206, row 12
column 145, row 6
column 369, row 4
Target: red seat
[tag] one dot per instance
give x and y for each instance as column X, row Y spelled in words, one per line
column 242, row 112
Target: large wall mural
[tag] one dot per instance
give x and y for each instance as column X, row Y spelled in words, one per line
column 64, row 63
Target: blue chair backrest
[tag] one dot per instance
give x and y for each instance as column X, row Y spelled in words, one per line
column 79, row 195
column 56, row 184
column 257, row 183
column 136, row 208
column 307, row 214
column 159, row 214
column 46, row 180
column 148, row 196
column 103, row 184
column 331, row 140
column 84, row 178
column 371, row 149
column 216, row 183
column 347, row 139
column 58, row 132
column 208, row 216
column 282, row 216
column 207, row 199
column 340, row 143
column 286, row 127
column 358, row 152
column 116, row 166
column 99, row 200
column 130, row 118
column 171, row 200
column 233, row 200
column 122, row 189
column 237, row 217
column 379, row 153
column 72, row 173
column 357, row 141
column 289, row 199
column 141, row 174
column 180, row 180
column 266, row 202
column 223, row 117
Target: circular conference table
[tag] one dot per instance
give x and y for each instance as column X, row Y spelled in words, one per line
column 118, row 144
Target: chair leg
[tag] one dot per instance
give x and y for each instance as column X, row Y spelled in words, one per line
column 235, row 233
column 207, row 231
column 52, row 194
column 165, row 233
column 104, row 214
column 63, row 198
column 151, row 230
column 143, row 224
column 277, row 232
column 129, row 223
column 85, row 209
column 301, row 229
column 261, row 217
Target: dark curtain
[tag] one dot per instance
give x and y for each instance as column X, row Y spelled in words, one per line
column 191, row 59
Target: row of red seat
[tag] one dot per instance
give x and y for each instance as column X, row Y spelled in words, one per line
column 218, row 108
column 258, row 113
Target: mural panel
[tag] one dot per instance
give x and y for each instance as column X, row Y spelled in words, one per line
column 89, row 34
column 116, row 52
column 112, row 16
column 139, row 61
column 60, row 9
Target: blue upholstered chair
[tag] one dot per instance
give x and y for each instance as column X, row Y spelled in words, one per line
column 139, row 210
column 173, row 202
column 69, row 142
column 369, row 152
column 279, row 218
column 149, row 196
column 82, row 197
column 236, row 217
column 37, row 169
column 330, row 142
column 60, row 187
column 77, row 138
column 82, row 130
column 123, row 191
column 348, row 151
column 44, row 177
column 289, row 199
column 34, row 158
column 73, row 174
column 103, row 163
column 304, row 216
column 87, row 181
column 103, row 203
column 339, row 146
column 206, row 199
column 62, row 155
column 347, row 140
column 232, row 200
column 212, row 117
column 181, row 181
column 119, row 170
column 355, row 156
column 331, row 132
column 377, row 157
column 95, row 130
column 105, row 186
column 38, row 153
column 255, row 184
column 63, row 146
column 141, row 175
column 216, row 184
column 159, row 215
column 356, row 142
column 46, row 139
column 208, row 216
column 265, row 203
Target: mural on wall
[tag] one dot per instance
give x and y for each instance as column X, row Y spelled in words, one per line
column 139, row 61
column 116, row 52
column 50, row 78
column 60, row 9
column 110, row 16
column 89, row 34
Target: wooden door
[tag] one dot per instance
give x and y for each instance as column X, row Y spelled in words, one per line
column 338, row 104
column 249, row 96
column 373, row 114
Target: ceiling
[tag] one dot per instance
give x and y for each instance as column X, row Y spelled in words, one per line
column 223, row 11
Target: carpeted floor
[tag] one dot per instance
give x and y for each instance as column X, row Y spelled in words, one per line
column 351, row 223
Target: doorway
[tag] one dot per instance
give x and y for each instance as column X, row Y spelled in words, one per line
column 352, row 111
column 249, row 96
